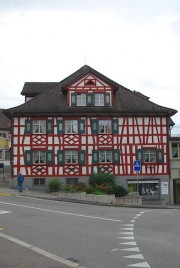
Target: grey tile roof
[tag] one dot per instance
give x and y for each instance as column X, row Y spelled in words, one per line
column 31, row 89
column 53, row 101
column 5, row 122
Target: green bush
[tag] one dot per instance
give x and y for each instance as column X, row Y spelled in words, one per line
column 100, row 178
column 90, row 190
column 54, row 185
column 117, row 190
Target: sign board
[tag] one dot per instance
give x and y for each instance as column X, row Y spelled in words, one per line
column 1, row 165
column 164, row 187
column 137, row 165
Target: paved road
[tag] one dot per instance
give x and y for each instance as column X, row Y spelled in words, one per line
column 94, row 236
column 17, row 256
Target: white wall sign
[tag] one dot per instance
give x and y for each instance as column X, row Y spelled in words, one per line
column 164, row 187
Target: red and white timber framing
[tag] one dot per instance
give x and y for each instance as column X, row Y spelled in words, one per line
column 134, row 133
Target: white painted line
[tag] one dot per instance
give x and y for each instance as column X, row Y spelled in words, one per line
column 141, row 264
column 142, row 212
column 61, row 212
column 40, row 251
column 115, row 249
column 133, row 221
column 126, row 237
column 133, row 243
column 128, row 225
column 136, row 256
column 131, row 249
column 138, row 215
column 126, row 233
column 127, row 229
column 135, row 218
column 4, row 211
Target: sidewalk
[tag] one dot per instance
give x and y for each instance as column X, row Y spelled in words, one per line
column 14, row 255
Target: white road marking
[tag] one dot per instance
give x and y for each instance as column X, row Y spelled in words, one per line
column 128, row 225
column 133, row 243
column 115, row 249
column 127, row 229
column 4, row 211
column 131, row 249
column 133, row 221
column 127, row 237
column 40, row 251
column 135, row 256
column 138, row 215
column 126, row 233
column 135, row 218
column 61, row 212
column 141, row 264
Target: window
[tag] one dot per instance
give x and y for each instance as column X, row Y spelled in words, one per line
column 105, row 156
column 7, row 155
column 104, row 126
column 1, row 155
column 175, row 150
column 39, row 157
column 149, row 155
column 71, row 157
column 90, row 99
column 71, row 126
column 71, row 181
column 39, row 181
column 39, row 126
column 81, row 99
column 3, row 135
column 99, row 99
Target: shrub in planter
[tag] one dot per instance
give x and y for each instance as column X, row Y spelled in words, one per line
column 101, row 177
column 54, row 185
column 80, row 187
column 117, row 190
column 90, row 190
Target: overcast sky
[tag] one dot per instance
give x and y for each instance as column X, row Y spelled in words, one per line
column 133, row 42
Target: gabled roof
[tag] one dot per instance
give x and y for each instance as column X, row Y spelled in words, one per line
column 53, row 101
column 5, row 122
column 82, row 72
column 32, row 89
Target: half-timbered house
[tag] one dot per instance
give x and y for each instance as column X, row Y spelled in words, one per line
column 86, row 123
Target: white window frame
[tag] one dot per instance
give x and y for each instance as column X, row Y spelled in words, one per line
column 73, row 126
column 149, row 156
column 99, row 99
column 105, row 154
column 81, row 99
column 72, row 157
column 39, row 126
column 39, row 157
column 104, row 126
column 175, row 154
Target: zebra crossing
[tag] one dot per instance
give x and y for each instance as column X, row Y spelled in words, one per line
column 128, row 245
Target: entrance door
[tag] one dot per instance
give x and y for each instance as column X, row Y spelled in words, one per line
column 177, row 191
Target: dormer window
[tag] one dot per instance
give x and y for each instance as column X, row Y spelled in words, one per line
column 90, row 99
column 81, row 99
column 99, row 99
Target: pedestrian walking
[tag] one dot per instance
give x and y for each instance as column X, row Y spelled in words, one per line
column 20, row 180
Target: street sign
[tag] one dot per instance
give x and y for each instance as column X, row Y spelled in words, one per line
column 137, row 165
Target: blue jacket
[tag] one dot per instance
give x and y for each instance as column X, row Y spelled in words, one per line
column 20, row 178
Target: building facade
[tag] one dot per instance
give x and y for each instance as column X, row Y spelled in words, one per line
column 5, row 127
column 86, row 123
column 174, row 146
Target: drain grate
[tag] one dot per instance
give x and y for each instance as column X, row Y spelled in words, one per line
column 73, row 260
